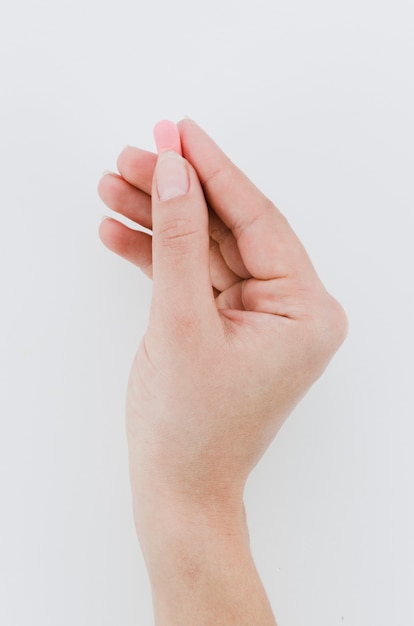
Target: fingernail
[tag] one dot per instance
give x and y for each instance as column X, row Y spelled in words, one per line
column 171, row 176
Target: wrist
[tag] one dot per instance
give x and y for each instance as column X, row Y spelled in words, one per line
column 168, row 521
column 166, row 500
column 200, row 565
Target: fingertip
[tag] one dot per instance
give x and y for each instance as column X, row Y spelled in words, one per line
column 167, row 137
column 136, row 166
column 133, row 245
column 106, row 230
column 186, row 120
column 124, row 157
column 128, row 155
column 108, row 173
column 115, row 235
column 105, row 184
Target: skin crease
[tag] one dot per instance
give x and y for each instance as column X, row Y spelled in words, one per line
column 240, row 327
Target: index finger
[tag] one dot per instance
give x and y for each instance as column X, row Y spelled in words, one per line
column 267, row 243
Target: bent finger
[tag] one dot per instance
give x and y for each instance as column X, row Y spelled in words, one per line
column 222, row 277
column 137, row 167
column 268, row 246
column 133, row 245
column 227, row 244
column 126, row 199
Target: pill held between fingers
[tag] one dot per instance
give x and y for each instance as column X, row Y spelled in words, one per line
column 167, row 137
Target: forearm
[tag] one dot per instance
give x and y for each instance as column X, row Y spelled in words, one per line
column 200, row 566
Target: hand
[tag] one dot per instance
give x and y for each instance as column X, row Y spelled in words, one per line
column 215, row 377
column 240, row 327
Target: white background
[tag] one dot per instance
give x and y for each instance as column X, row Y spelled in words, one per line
column 314, row 100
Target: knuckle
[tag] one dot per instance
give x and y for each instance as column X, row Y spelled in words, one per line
column 332, row 325
column 338, row 322
column 176, row 236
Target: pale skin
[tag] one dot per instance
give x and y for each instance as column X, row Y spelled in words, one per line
column 240, row 327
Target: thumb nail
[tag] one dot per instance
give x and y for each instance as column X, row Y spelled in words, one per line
column 171, row 176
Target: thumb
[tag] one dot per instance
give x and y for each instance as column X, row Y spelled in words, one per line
column 182, row 286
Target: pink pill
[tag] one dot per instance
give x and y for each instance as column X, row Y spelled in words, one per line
column 167, row 137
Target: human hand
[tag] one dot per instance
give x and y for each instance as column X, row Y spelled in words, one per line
column 217, row 372
column 240, row 327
